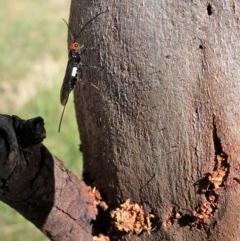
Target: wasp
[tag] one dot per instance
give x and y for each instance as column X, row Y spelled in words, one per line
column 73, row 66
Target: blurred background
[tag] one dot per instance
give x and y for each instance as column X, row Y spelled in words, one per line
column 33, row 58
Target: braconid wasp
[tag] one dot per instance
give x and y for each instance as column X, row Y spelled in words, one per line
column 73, row 66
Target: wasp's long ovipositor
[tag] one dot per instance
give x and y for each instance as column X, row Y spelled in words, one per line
column 73, row 67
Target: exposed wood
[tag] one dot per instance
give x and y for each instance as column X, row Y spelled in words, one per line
column 38, row 186
column 163, row 123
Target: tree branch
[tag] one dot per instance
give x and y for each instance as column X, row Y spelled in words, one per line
column 37, row 184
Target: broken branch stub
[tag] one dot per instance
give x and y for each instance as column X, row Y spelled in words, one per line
column 37, row 184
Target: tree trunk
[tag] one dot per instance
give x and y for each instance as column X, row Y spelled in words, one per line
column 160, row 120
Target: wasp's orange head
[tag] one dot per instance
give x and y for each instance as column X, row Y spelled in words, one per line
column 74, row 46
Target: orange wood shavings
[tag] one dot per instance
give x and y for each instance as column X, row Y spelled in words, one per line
column 98, row 199
column 171, row 217
column 207, row 209
column 218, row 175
column 216, row 178
column 204, row 212
column 101, row 238
column 131, row 218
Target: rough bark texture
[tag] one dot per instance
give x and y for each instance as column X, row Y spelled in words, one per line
column 163, row 123
column 38, row 185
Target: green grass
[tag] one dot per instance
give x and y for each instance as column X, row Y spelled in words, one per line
column 65, row 144
column 30, row 32
column 32, row 64
column 13, row 227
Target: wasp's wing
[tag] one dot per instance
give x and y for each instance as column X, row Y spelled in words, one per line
column 69, row 78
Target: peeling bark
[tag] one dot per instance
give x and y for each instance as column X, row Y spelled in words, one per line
column 38, row 186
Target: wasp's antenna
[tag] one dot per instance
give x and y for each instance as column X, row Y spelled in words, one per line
column 72, row 37
column 60, row 122
column 89, row 21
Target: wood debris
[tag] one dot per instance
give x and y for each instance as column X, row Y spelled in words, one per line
column 220, row 172
column 98, row 199
column 131, row 218
column 101, row 237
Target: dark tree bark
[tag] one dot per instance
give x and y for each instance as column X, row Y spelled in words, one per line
column 162, row 127
column 38, row 185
